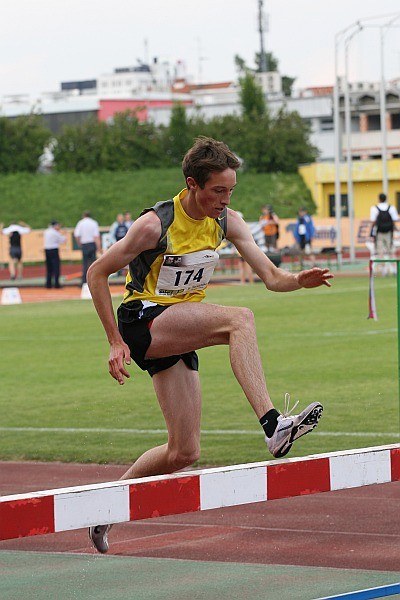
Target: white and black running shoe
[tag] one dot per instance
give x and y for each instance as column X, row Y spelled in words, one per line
column 99, row 537
column 291, row 427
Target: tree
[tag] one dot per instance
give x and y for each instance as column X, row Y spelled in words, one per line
column 79, row 147
column 177, row 136
column 122, row 145
column 254, row 146
column 22, row 141
column 131, row 144
column 270, row 60
column 272, row 65
column 251, row 97
column 287, row 85
column 290, row 144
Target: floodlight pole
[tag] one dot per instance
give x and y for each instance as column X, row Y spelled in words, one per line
column 338, row 146
column 338, row 152
column 350, row 193
column 263, row 58
column 383, row 29
column 385, row 185
column 337, row 129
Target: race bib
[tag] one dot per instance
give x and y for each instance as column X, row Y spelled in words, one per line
column 182, row 273
column 302, row 229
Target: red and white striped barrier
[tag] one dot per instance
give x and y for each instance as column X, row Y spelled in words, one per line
column 65, row 509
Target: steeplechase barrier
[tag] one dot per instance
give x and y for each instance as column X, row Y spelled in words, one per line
column 71, row 508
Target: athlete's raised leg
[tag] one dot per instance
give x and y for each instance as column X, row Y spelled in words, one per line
column 189, row 326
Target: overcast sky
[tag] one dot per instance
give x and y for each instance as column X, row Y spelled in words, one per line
column 44, row 42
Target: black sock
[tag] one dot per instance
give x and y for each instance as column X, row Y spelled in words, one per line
column 269, row 422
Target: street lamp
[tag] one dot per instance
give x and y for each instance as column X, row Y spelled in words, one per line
column 359, row 25
column 350, row 195
column 382, row 95
column 383, row 29
column 338, row 142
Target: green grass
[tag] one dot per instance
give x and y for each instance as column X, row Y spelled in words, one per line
column 315, row 344
column 64, row 196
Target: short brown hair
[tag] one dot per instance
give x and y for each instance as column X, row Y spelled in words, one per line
column 207, row 156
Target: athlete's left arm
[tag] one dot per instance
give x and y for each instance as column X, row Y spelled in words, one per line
column 274, row 278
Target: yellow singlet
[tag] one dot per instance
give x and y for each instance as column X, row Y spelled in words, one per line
column 180, row 267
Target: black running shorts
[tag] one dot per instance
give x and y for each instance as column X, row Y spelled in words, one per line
column 15, row 252
column 134, row 324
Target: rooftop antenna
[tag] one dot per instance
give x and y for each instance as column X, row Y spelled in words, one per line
column 201, row 58
column 263, row 57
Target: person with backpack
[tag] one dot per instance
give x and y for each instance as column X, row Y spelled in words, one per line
column 14, row 232
column 383, row 217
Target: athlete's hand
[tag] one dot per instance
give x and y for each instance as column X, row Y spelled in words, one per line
column 119, row 356
column 315, row 277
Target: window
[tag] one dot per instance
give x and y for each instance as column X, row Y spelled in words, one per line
column 344, row 203
column 326, row 124
column 365, row 100
column 392, row 99
column 374, row 122
column 355, row 123
column 395, row 120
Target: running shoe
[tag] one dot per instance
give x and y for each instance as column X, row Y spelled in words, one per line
column 99, row 537
column 291, row 428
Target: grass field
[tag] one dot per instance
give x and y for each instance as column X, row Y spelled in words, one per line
column 59, row 403
column 64, row 196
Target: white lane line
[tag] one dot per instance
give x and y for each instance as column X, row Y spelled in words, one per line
column 204, row 431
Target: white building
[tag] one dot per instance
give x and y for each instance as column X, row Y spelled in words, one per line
column 158, row 85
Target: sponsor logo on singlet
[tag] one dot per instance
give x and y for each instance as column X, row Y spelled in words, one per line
column 182, row 273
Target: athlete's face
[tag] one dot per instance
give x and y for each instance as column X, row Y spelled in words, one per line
column 211, row 200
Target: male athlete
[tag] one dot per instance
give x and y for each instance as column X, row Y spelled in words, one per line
column 171, row 252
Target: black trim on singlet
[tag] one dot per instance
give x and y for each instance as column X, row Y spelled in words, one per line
column 140, row 266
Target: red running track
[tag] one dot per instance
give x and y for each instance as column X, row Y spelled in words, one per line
column 354, row 528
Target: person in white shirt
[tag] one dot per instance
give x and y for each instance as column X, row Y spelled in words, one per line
column 87, row 236
column 383, row 217
column 52, row 241
column 14, row 231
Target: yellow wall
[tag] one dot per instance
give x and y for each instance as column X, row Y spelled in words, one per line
column 367, row 183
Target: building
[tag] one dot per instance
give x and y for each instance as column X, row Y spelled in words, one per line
column 367, row 184
column 152, row 90
column 365, row 119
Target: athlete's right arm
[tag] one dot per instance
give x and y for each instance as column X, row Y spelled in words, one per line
column 143, row 235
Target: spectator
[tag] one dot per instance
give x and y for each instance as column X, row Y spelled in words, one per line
column 128, row 219
column 15, row 231
column 52, row 241
column 246, row 272
column 87, row 236
column 270, row 225
column 383, row 217
column 118, row 229
column 304, row 232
